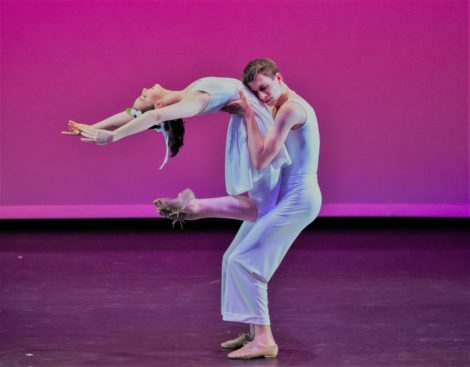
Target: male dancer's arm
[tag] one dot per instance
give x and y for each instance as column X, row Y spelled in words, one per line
column 264, row 149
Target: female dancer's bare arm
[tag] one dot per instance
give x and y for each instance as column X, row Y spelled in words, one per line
column 109, row 123
column 114, row 121
column 189, row 106
column 148, row 100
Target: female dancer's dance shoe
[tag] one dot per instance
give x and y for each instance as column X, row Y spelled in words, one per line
column 238, row 342
column 174, row 208
column 250, row 350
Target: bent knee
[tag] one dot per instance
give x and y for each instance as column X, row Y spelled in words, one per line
column 237, row 265
column 233, row 262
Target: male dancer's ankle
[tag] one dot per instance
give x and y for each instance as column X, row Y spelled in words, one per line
column 264, row 342
column 251, row 333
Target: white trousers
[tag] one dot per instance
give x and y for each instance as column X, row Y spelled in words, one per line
column 259, row 247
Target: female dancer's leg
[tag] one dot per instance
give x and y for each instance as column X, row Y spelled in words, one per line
column 228, row 207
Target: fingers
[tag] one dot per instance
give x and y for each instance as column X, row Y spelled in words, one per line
column 229, row 110
column 243, row 97
column 228, row 106
column 72, row 129
column 234, row 107
column 88, row 132
column 79, row 127
column 89, row 135
column 74, row 133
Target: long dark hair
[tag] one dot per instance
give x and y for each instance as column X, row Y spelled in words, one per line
column 175, row 130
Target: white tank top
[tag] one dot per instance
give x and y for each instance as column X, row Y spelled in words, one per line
column 303, row 144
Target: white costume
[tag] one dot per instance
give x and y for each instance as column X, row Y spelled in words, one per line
column 259, row 247
column 240, row 174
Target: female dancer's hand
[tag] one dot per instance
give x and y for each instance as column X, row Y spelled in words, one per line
column 74, row 128
column 239, row 107
column 98, row 136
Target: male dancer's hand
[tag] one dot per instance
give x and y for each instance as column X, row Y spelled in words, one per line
column 239, row 107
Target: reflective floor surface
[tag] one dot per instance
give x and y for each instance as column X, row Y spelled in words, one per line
column 125, row 296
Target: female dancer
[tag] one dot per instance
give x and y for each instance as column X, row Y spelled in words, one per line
column 259, row 247
column 206, row 95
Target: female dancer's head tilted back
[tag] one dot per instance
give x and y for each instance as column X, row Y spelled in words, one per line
column 175, row 128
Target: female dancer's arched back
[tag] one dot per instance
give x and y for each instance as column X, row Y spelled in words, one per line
column 157, row 106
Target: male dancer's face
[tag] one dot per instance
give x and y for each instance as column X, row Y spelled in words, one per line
column 266, row 88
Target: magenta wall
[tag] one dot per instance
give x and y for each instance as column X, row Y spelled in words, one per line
column 388, row 79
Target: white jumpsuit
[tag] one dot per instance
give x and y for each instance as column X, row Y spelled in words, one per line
column 259, row 247
column 240, row 174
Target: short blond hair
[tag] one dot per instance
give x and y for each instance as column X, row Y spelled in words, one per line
column 259, row 66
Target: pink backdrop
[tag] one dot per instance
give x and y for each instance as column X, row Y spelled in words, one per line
column 388, row 80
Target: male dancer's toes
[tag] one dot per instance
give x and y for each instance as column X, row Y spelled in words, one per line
column 254, row 350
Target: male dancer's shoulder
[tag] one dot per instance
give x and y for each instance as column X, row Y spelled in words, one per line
column 291, row 113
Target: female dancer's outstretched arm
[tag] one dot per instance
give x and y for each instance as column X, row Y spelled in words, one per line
column 109, row 123
column 148, row 100
column 188, row 106
column 114, row 121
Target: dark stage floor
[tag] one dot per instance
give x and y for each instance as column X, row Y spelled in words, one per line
column 363, row 294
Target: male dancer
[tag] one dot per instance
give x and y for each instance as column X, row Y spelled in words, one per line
column 259, row 246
